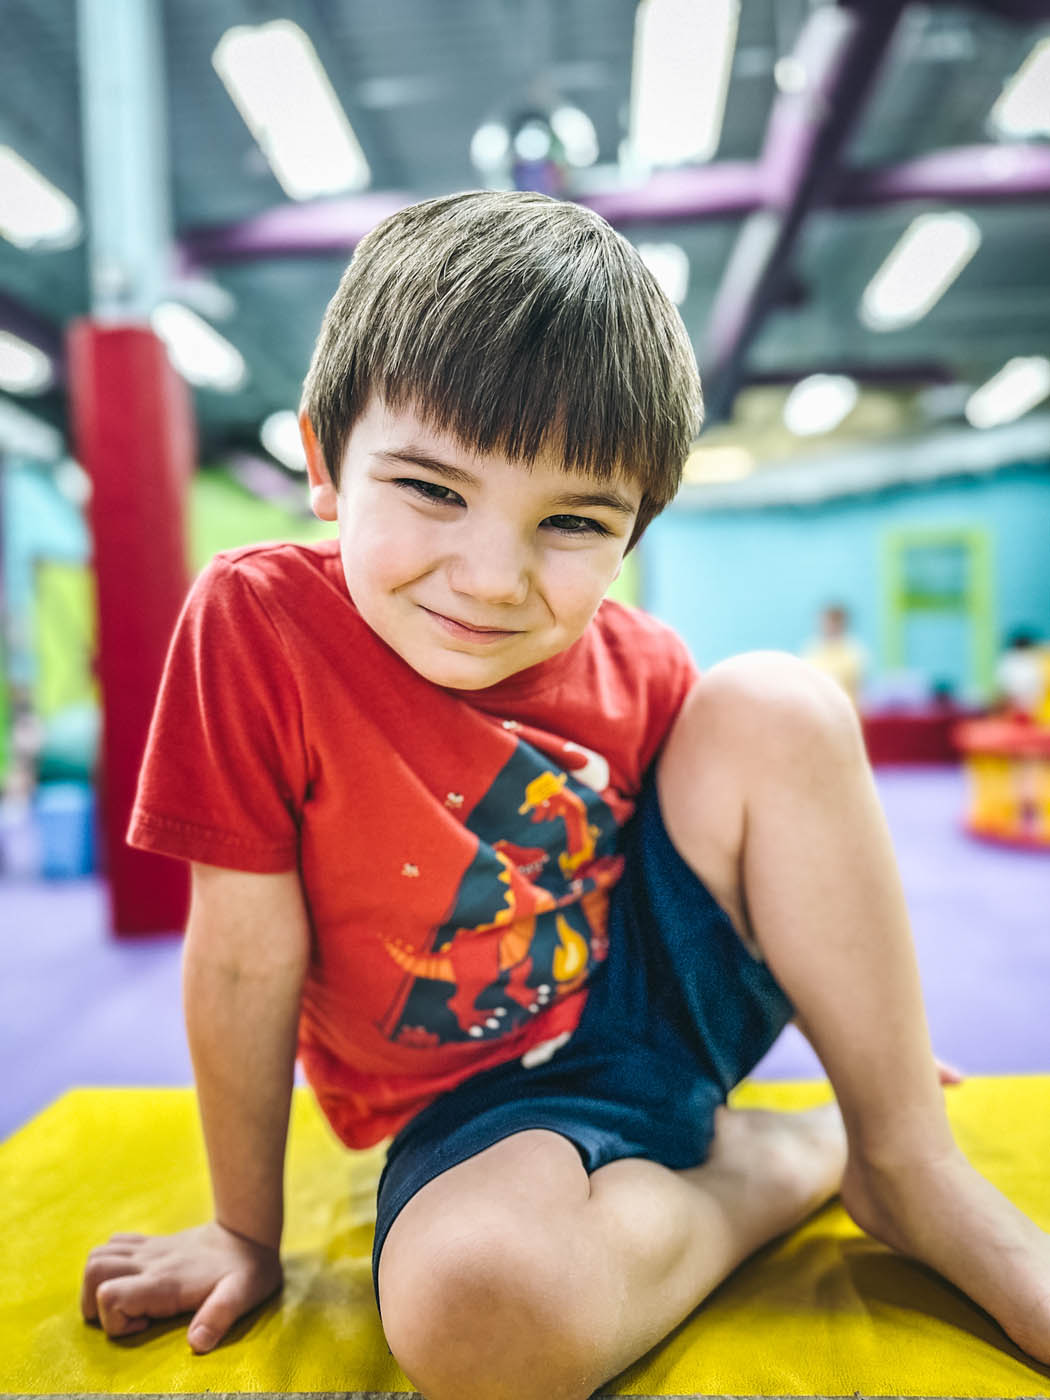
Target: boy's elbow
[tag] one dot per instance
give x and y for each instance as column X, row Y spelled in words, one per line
column 247, row 926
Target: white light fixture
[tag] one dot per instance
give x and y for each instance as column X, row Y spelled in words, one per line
column 24, row 368
column 669, row 264
column 1023, row 109
column 790, row 75
column 73, row 482
column 197, row 350
column 25, row 435
column 819, row 403
column 1022, row 383
column 708, row 464
column 533, row 141
column 683, row 54
column 489, row 146
column 575, row 130
column 279, row 434
column 282, row 91
column 33, row 213
column 929, row 256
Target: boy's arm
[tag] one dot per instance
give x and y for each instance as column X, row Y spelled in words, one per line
column 247, row 948
column 246, row 954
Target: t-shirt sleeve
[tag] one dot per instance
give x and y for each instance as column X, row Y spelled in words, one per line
column 224, row 774
column 670, row 683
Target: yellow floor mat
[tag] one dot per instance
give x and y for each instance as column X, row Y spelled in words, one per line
column 824, row 1312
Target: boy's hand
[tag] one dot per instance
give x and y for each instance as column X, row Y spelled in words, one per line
column 134, row 1279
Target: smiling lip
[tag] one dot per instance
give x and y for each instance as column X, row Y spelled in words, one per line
column 468, row 633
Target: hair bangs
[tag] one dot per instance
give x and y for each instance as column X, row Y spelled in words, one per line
column 518, row 324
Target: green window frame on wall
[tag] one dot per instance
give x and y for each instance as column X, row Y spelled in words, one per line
column 947, row 570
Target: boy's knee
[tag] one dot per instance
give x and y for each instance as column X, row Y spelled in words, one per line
column 469, row 1315
column 767, row 705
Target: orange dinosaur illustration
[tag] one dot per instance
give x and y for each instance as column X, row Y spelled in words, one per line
column 473, row 961
column 549, row 797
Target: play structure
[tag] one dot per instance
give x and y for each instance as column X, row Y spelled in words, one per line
column 1007, row 760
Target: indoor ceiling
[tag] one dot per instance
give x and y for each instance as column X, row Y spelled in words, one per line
column 776, row 272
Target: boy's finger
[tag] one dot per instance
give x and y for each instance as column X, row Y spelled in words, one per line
column 99, row 1269
column 129, row 1303
column 230, row 1299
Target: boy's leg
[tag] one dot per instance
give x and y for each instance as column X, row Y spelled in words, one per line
column 766, row 792
column 514, row 1275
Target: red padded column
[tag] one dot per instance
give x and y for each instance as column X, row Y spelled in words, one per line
column 134, row 431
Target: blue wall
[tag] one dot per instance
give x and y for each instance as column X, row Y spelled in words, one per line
column 735, row 580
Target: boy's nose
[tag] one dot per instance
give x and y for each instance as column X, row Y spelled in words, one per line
column 494, row 571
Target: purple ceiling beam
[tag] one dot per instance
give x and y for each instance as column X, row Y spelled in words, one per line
column 722, row 190
column 839, row 50
column 290, row 230
column 725, row 189
column 728, row 189
column 965, row 175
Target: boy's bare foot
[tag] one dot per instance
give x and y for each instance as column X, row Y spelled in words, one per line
column 946, row 1214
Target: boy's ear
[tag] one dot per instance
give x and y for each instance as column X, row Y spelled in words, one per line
column 324, row 498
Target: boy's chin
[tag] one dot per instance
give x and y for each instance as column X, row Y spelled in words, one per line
column 462, row 673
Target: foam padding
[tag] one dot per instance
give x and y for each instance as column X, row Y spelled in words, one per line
column 825, row 1311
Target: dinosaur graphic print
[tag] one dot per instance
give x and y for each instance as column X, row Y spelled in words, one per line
column 529, row 920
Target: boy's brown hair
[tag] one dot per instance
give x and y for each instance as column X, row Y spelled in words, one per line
column 515, row 322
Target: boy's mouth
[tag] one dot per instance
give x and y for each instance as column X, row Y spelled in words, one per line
column 467, row 632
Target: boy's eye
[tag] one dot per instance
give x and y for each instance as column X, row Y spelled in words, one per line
column 576, row 525
column 430, row 490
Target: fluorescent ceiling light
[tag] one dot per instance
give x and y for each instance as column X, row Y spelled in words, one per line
column 683, row 54
column 706, row 464
column 197, row 350
column 1020, row 385
column 1023, row 109
column 533, row 141
column 575, row 130
column 274, row 76
column 24, row 368
column 489, row 146
column 32, row 211
column 790, row 75
column 931, row 253
column 25, row 435
column 73, row 482
column 819, row 403
column 669, row 264
column 279, row 434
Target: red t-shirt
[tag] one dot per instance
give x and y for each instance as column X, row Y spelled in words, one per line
column 455, row 848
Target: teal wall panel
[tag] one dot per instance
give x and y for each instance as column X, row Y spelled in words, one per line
column 737, row 580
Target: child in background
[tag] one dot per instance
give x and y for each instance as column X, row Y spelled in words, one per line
column 520, row 887
column 838, row 654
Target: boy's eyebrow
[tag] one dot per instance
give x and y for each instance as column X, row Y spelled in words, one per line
column 573, row 500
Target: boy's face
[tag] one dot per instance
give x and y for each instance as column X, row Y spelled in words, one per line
column 470, row 567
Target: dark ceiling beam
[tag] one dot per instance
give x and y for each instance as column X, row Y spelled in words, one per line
column 904, row 373
column 840, row 50
column 29, row 325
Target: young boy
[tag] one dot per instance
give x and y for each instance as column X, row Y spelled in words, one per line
column 519, row 886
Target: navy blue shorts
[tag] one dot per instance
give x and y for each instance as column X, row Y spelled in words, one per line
column 677, row 1014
